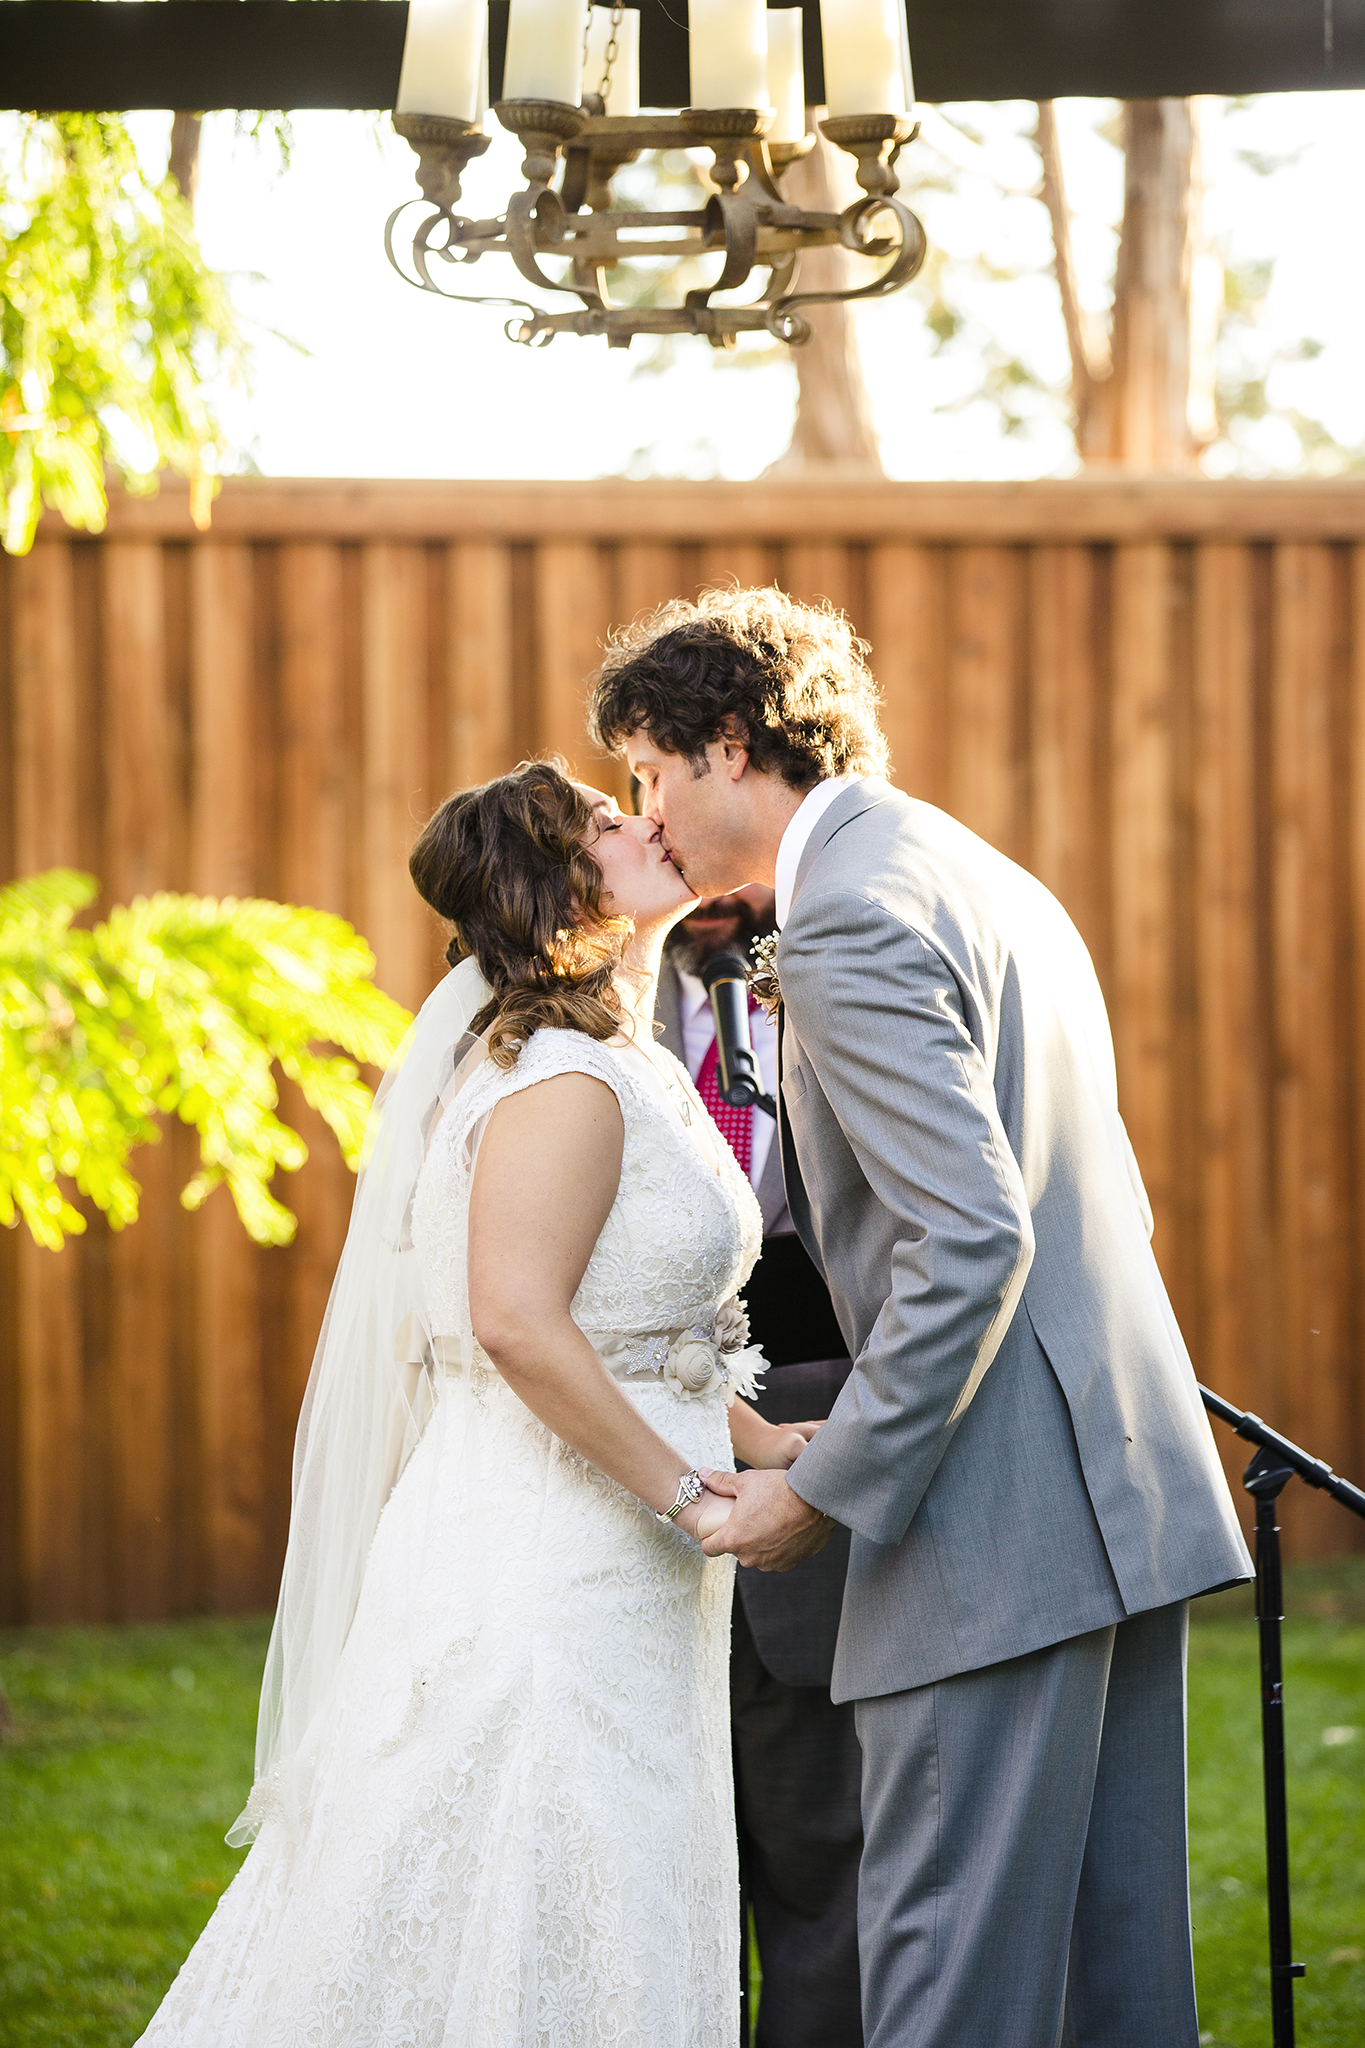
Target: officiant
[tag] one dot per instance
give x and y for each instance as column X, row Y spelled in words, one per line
column 797, row 1762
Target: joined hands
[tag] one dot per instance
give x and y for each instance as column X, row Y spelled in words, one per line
column 754, row 1515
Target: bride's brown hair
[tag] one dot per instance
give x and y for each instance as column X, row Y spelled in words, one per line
column 508, row 866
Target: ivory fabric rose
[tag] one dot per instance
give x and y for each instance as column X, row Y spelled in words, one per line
column 732, row 1325
column 691, row 1367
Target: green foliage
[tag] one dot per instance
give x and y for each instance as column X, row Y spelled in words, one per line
column 175, row 1005
column 111, row 328
column 132, row 1759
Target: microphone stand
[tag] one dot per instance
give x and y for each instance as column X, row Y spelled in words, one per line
column 1275, row 1463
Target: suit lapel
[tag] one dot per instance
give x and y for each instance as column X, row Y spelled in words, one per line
column 860, row 796
column 848, row 805
column 668, row 1011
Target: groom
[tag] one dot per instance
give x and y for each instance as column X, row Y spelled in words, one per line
column 1020, row 1450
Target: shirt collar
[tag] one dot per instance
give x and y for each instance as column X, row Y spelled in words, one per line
column 800, row 825
column 693, row 998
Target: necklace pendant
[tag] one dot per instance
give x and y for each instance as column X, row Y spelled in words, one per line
column 686, row 1108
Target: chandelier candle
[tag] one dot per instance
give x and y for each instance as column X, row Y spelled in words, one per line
column 544, row 51
column 443, row 59
column 729, row 53
column 786, row 74
column 623, row 81
column 867, row 56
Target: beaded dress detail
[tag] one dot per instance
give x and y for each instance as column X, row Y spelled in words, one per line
column 519, row 1830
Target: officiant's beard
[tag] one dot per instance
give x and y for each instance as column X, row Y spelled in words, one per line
column 690, row 951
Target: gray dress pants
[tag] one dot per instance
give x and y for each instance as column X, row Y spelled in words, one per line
column 797, row 1771
column 1025, row 1876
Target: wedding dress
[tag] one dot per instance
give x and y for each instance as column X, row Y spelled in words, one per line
column 518, row 1830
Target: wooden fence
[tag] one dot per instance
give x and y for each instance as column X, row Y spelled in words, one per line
column 1152, row 695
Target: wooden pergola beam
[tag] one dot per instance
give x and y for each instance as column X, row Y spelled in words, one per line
column 204, row 54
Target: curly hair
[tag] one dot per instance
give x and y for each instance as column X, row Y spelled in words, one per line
column 508, row 866
column 789, row 678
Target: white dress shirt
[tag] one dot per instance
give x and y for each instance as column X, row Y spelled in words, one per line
column 801, row 824
column 699, row 1028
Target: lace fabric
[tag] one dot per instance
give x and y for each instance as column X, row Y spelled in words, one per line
column 520, row 1827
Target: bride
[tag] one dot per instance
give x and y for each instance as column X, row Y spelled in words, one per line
column 493, row 1802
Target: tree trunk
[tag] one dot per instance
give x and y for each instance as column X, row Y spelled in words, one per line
column 833, row 414
column 184, row 159
column 1145, row 400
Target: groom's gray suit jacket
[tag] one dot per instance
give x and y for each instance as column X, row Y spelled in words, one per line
column 1021, row 1450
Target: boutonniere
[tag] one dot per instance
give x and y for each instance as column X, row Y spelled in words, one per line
column 764, row 986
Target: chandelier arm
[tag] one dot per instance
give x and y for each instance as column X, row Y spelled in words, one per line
column 526, row 212
column 467, row 298
column 780, row 274
column 908, row 261
column 735, row 215
column 422, row 249
column 389, row 226
column 768, row 160
column 573, row 186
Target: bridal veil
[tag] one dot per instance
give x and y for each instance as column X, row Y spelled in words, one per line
column 375, row 1375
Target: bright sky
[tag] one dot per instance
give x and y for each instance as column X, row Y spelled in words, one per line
column 395, row 383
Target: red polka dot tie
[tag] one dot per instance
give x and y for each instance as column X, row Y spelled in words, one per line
column 735, row 1124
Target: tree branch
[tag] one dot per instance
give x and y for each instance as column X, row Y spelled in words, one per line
column 1091, row 361
column 184, row 159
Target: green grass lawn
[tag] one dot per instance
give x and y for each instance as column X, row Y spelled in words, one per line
column 133, row 1754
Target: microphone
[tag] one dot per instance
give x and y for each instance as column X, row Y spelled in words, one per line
column 725, row 977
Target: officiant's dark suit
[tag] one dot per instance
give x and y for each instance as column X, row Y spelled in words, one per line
column 797, row 1760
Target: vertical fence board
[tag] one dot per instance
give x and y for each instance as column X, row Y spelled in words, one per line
column 985, row 766
column 1142, row 875
column 313, row 827
column 51, row 1409
column 907, row 626
column 1065, row 850
column 143, row 781
column 648, row 574
column 1309, row 1097
column 740, row 562
column 573, row 618
column 820, row 574
column 229, row 1405
column 481, row 736
column 395, row 764
column 1235, row 1304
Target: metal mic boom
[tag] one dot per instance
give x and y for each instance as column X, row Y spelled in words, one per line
column 725, row 978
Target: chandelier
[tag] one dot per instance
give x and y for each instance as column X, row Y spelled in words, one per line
column 570, row 94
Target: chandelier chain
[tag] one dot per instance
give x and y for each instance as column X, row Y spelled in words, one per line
column 611, row 50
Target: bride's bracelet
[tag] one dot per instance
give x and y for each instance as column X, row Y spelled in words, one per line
column 691, row 1487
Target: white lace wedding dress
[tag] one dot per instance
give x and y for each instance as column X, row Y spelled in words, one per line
column 521, row 1832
